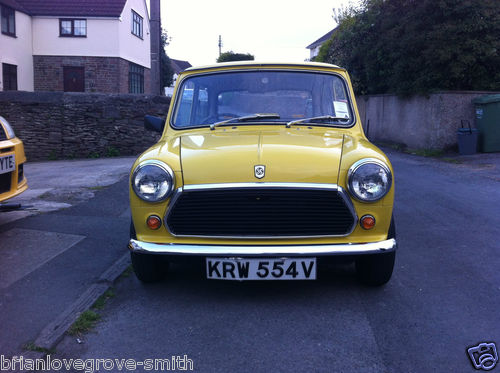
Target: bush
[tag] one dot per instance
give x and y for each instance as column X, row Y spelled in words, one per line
column 418, row 46
column 231, row 56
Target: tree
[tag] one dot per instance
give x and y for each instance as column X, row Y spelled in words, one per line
column 166, row 71
column 418, row 46
column 231, row 56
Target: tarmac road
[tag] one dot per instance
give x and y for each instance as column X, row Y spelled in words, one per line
column 443, row 298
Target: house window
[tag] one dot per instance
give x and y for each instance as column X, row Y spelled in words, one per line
column 9, row 75
column 136, row 24
column 8, row 21
column 73, row 27
column 136, row 79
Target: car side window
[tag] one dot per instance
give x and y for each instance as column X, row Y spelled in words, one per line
column 183, row 114
column 334, row 99
column 193, row 106
column 340, row 101
column 201, row 105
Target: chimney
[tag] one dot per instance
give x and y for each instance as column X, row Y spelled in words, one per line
column 155, row 35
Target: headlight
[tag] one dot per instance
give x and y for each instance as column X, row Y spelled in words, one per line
column 8, row 128
column 369, row 180
column 153, row 181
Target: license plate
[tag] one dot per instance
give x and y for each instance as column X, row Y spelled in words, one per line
column 261, row 269
column 7, row 163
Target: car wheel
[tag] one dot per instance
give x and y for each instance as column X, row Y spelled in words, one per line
column 147, row 267
column 376, row 270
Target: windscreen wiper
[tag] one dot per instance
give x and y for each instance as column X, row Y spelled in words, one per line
column 323, row 118
column 246, row 118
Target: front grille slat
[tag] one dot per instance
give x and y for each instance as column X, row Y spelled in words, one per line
column 260, row 212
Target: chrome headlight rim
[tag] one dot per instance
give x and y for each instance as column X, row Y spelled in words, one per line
column 164, row 167
column 9, row 131
column 356, row 166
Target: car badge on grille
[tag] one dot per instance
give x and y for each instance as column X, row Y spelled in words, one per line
column 260, row 171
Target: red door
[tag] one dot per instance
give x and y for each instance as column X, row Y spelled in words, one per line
column 74, row 80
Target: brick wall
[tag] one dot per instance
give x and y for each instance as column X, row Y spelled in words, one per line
column 123, row 77
column 102, row 74
column 79, row 125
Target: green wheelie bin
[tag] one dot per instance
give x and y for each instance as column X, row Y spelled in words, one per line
column 487, row 109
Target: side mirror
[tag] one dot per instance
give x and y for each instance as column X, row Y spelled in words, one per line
column 152, row 123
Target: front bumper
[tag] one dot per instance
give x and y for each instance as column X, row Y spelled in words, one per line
column 261, row 250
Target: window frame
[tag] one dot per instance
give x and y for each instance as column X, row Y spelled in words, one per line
column 72, row 34
column 6, row 13
column 135, row 78
column 12, row 69
column 139, row 20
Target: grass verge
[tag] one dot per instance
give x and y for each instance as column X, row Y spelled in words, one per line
column 84, row 323
column 31, row 346
column 101, row 301
column 127, row 272
column 438, row 154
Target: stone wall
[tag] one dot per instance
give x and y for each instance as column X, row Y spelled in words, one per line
column 57, row 125
column 102, row 74
column 426, row 122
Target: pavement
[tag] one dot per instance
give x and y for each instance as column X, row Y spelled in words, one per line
column 75, row 228
column 65, row 246
column 56, row 185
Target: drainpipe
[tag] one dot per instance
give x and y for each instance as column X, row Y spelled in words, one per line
column 155, row 35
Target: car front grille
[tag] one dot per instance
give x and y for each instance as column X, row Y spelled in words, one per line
column 5, row 182
column 261, row 211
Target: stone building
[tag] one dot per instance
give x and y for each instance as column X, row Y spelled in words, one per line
column 75, row 46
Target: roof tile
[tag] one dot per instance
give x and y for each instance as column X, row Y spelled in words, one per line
column 322, row 39
column 72, row 8
column 14, row 5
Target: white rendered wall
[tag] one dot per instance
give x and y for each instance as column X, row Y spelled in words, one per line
column 132, row 48
column 18, row 51
column 101, row 40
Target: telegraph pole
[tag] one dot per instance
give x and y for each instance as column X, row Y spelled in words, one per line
column 220, row 45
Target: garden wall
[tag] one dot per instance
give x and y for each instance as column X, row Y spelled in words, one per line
column 57, row 125
column 426, row 122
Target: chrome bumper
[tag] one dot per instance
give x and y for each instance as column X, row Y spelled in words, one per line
column 258, row 250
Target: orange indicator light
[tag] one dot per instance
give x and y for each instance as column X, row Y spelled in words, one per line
column 153, row 222
column 367, row 222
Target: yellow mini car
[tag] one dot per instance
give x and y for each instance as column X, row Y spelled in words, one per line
column 262, row 171
column 12, row 159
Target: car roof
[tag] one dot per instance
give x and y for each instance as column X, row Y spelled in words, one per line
column 223, row 65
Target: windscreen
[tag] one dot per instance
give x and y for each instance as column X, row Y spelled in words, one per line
column 292, row 95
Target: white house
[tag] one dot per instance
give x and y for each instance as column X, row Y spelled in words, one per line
column 315, row 46
column 177, row 66
column 78, row 46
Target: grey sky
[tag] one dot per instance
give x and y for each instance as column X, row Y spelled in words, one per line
column 271, row 30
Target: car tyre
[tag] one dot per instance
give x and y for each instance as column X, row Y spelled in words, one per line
column 376, row 270
column 148, row 268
